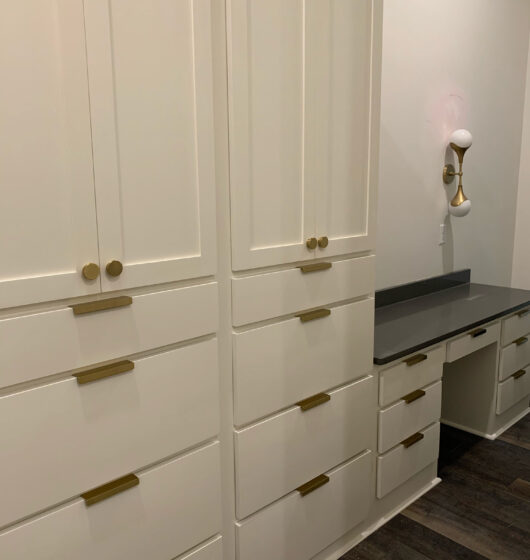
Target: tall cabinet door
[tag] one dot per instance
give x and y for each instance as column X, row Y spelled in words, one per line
column 150, row 76
column 47, row 207
column 272, row 156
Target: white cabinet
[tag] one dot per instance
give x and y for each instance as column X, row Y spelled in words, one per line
column 47, row 209
column 301, row 145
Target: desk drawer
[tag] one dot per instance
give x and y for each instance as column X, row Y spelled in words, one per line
column 56, row 341
column 403, row 418
column 63, row 438
column 264, row 296
column 298, row 527
column 513, row 390
column 472, row 341
column 175, row 506
column 281, row 453
column 414, row 372
column 401, row 463
column 280, row 364
column 516, row 326
column 514, row 357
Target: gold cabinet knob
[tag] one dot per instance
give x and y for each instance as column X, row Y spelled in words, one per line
column 114, row 268
column 323, row 242
column 311, row 243
column 91, row 271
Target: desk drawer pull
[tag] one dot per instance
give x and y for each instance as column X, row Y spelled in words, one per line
column 414, row 396
column 410, row 441
column 415, row 359
column 312, row 315
column 519, row 373
column 522, row 340
column 478, row 332
column 312, row 485
column 101, row 305
column 523, row 313
column 315, row 400
column 97, row 373
column 110, row 489
column 314, row 267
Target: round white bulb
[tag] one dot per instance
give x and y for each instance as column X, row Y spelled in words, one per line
column 461, row 138
column 461, row 210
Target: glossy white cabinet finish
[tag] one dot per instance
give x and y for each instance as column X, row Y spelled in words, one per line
column 47, row 214
column 175, row 507
column 516, row 326
column 285, row 451
column 283, row 363
column 51, row 342
column 471, row 342
column 513, row 390
column 514, row 357
column 151, row 94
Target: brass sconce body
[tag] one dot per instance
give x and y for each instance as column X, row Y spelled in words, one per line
column 460, row 142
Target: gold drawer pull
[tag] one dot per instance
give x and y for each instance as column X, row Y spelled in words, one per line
column 110, row 489
column 519, row 373
column 315, row 267
column 523, row 313
column 415, row 359
column 101, row 305
column 104, row 371
column 522, row 340
column 414, row 396
column 312, row 485
column 478, row 332
column 312, row 315
column 315, row 400
column 410, row 441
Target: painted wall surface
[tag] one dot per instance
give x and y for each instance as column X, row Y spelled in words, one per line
column 446, row 65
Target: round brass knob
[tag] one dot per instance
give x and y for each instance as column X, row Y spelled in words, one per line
column 114, row 268
column 311, row 243
column 323, row 242
column 91, row 271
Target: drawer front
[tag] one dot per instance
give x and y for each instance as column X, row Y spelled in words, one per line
column 264, row 296
column 401, row 463
column 212, row 550
column 278, row 365
column 472, row 341
column 410, row 374
column 176, row 506
column 516, row 326
column 79, row 436
column 281, row 453
column 298, row 527
column 513, row 390
column 514, row 357
column 56, row 341
column 407, row 417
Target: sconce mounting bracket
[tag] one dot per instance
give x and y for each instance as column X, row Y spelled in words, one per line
column 449, row 173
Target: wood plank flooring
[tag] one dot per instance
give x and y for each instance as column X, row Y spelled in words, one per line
column 480, row 510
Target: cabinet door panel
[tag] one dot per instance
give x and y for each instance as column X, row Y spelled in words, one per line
column 150, row 71
column 47, row 213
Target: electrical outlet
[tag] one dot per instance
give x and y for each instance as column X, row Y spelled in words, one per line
column 441, row 241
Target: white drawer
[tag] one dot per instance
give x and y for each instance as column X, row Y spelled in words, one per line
column 298, row 527
column 176, row 506
column 212, row 550
column 280, row 364
column 472, row 341
column 278, row 454
column 514, row 357
column 419, row 409
column 56, row 341
column 401, row 463
column 513, row 390
column 412, row 373
column 264, row 296
column 64, row 438
column 516, row 326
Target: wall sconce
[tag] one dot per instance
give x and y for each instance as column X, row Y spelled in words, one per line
column 459, row 141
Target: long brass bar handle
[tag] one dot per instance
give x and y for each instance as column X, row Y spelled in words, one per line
column 410, row 441
column 312, row 315
column 101, row 305
column 414, row 396
column 478, row 332
column 95, row 374
column 522, row 340
column 110, row 489
column 523, row 313
column 519, row 373
column 315, row 267
column 415, row 359
column 315, row 400
column 312, row 485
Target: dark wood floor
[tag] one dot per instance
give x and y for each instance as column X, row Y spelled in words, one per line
column 480, row 510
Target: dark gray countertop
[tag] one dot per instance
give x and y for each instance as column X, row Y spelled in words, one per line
column 408, row 326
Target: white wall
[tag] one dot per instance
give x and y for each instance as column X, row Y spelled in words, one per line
column 450, row 64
